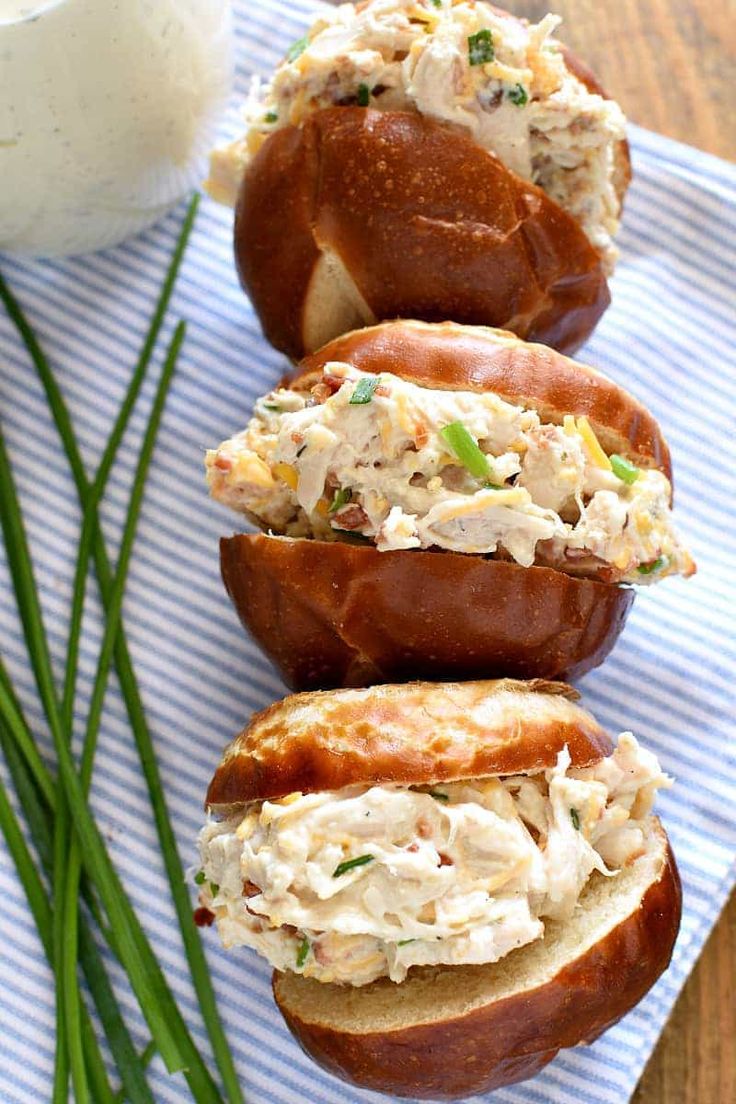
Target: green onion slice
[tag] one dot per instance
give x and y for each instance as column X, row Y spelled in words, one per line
column 480, row 47
column 364, row 95
column 350, row 864
column 363, row 391
column 271, row 116
column 297, row 48
column 464, row 446
column 214, row 888
column 341, row 498
column 199, row 877
column 301, row 954
column 624, row 470
column 519, row 95
column 655, row 565
column 575, row 818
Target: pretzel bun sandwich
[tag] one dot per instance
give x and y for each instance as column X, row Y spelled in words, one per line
column 426, row 159
column 453, row 881
column 443, row 501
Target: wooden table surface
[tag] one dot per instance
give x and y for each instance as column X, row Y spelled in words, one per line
column 671, row 64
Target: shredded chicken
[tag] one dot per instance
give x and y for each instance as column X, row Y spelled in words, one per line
column 354, row 884
column 385, row 470
column 461, row 62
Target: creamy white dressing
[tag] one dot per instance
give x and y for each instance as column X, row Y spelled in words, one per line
column 522, row 103
column 384, row 471
column 106, row 112
column 355, row 884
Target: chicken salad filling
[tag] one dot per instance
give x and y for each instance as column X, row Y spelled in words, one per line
column 365, row 882
column 381, row 459
column 460, row 62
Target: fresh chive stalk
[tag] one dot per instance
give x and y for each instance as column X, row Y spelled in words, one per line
column 67, row 905
column 153, row 994
column 97, row 859
column 350, row 864
column 41, row 911
column 39, row 820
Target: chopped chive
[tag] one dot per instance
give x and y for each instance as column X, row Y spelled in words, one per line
column 302, row 952
column 200, row 877
column 465, row 447
column 480, row 47
column 624, row 469
column 297, row 48
column 575, row 818
column 655, row 565
column 350, row 864
column 271, row 117
column 403, row 942
column 437, row 3
column 438, row 796
column 214, row 888
column 363, row 391
column 341, row 498
column 364, row 95
column 272, row 406
column 518, row 95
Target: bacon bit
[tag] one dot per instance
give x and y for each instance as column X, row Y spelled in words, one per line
column 203, row 918
column 289, row 929
column 297, row 438
column 326, row 387
column 421, row 435
column 351, row 517
column 383, row 390
column 223, row 463
column 424, row 828
column 322, row 956
column 445, row 860
column 413, row 848
column 250, row 889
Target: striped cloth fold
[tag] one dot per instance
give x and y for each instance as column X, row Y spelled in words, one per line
column 669, row 337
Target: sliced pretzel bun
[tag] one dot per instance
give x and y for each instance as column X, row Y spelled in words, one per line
column 334, row 614
column 454, row 1031
column 414, row 734
column 360, row 215
column 454, row 357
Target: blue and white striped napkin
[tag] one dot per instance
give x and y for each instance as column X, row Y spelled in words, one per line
column 669, row 336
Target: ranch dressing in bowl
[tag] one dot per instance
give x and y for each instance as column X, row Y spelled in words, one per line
column 107, row 111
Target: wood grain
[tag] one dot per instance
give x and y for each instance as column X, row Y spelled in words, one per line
column 671, row 64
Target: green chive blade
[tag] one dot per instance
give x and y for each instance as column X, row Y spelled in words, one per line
column 350, row 864
column 480, row 47
column 363, row 391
